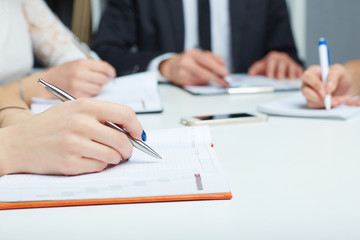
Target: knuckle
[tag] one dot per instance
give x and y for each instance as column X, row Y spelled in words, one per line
column 67, row 167
column 318, row 85
column 113, row 157
column 307, row 74
column 78, row 127
column 183, row 63
column 273, row 54
column 203, row 78
column 126, row 148
column 96, row 89
column 74, row 75
column 100, row 167
column 130, row 113
column 283, row 55
column 192, row 51
column 337, row 67
column 81, row 62
column 312, row 68
column 82, row 105
column 104, row 80
column 126, row 154
column 72, row 146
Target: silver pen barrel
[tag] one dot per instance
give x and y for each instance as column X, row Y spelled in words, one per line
column 136, row 143
column 64, row 96
column 60, row 94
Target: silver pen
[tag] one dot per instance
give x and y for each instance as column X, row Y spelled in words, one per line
column 77, row 43
column 64, row 96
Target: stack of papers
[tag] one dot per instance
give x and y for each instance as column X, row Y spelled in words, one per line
column 242, row 83
column 189, row 168
column 295, row 106
column 138, row 91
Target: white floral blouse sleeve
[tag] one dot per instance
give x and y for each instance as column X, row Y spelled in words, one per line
column 53, row 43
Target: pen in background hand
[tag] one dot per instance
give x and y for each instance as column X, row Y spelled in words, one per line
column 227, row 78
column 64, row 96
column 324, row 63
column 78, row 44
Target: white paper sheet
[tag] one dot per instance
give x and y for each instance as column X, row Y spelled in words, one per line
column 295, row 106
column 138, row 91
column 187, row 152
column 243, row 83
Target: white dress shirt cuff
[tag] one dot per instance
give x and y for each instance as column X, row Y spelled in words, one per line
column 154, row 65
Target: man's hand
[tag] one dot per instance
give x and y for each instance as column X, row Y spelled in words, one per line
column 276, row 65
column 195, row 67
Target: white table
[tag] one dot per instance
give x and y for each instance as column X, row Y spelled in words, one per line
column 291, row 178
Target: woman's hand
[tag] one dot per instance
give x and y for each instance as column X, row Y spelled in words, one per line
column 340, row 83
column 69, row 139
column 81, row 78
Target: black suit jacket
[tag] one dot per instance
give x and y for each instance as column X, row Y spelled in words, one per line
column 133, row 32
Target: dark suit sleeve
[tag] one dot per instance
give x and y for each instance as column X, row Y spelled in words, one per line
column 279, row 34
column 117, row 38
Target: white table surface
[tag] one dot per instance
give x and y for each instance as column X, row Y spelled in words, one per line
column 291, row 178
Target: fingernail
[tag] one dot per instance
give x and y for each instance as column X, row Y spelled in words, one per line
column 143, row 136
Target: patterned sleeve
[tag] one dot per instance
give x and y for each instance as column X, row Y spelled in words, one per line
column 53, row 43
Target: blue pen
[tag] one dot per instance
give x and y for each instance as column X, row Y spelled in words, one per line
column 324, row 63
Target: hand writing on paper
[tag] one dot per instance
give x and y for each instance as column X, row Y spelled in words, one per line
column 69, row 139
column 80, row 78
column 341, row 83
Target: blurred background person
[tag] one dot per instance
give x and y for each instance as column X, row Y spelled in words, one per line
column 166, row 35
column 30, row 28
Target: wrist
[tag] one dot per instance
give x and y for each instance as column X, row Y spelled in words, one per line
column 7, row 160
column 165, row 68
column 10, row 116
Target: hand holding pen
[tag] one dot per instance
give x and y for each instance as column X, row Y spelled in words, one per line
column 330, row 86
column 63, row 96
column 195, row 67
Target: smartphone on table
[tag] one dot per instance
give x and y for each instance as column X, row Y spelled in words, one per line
column 223, row 119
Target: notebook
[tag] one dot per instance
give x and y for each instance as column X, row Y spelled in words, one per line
column 189, row 170
column 243, row 83
column 295, row 106
column 138, row 91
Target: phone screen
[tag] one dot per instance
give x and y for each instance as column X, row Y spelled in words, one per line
column 224, row 116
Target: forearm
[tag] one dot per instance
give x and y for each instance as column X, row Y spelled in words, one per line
column 3, row 157
column 7, row 162
column 13, row 109
column 43, row 23
column 354, row 68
